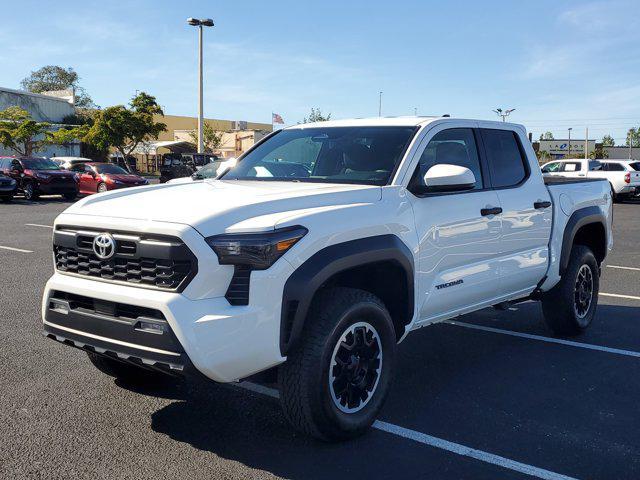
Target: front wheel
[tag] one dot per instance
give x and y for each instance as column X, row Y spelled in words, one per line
column 570, row 306
column 102, row 187
column 70, row 196
column 334, row 383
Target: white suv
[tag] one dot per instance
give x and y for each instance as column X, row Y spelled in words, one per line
column 323, row 248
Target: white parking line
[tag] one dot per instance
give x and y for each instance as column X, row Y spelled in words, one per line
column 624, row 268
column 16, row 249
column 437, row 442
column 38, row 225
column 617, row 295
column 588, row 346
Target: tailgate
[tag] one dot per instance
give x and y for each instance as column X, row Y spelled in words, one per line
column 634, row 179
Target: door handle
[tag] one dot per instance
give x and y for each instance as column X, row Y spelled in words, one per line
column 490, row 211
column 539, row 205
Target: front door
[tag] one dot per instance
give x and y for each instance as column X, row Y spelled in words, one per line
column 458, row 231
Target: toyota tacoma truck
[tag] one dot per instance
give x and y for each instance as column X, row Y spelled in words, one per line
column 319, row 252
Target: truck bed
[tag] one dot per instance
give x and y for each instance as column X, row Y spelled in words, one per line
column 555, row 180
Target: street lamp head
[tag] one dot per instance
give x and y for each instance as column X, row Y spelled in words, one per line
column 193, row 21
column 207, row 22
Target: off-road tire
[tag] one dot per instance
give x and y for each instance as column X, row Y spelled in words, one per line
column 127, row 372
column 304, row 379
column 559, row 303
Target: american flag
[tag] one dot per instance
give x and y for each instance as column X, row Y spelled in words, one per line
column 275, row 118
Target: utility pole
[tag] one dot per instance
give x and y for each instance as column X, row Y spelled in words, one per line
column 569, row 154
column 586, row 143
column 206, row 22
column 415, row 111
column 380, row 104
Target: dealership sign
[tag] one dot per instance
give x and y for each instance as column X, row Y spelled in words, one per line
column 561, row 147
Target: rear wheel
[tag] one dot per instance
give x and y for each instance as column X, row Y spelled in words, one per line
column 7, row 198
column 102, row 187
column 124, row 371
column 335, row 382
column 70, row 196
column 570, row 306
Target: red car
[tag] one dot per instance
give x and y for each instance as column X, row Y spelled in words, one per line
column 99, row 177
column 37, row 176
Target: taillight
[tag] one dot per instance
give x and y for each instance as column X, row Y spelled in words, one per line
column 627, row 178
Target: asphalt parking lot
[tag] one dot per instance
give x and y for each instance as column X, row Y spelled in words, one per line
column 489, row 395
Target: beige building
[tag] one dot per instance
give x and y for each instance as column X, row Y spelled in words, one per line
column 237, row 137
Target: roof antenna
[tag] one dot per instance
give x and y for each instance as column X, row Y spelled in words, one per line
column 446, row 115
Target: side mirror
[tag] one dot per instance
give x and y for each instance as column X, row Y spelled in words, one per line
column 448, row 178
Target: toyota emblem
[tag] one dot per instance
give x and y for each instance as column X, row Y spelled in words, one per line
column 104, row 246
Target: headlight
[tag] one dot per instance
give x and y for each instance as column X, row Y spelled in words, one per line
column 257, row 250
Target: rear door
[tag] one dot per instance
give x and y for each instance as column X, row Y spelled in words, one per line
column 526, row 211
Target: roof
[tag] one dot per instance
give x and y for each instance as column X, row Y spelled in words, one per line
column 31, row 94
column 409, row 121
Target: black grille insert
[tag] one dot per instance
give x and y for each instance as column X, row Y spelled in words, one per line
column 112, row 309
column 148, row 261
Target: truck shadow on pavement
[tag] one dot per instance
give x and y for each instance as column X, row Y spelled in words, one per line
column 509, row 405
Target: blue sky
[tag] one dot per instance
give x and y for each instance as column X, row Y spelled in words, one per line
column 559, row 63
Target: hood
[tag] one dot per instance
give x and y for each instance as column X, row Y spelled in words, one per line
column 214, row 205
column 125, row 178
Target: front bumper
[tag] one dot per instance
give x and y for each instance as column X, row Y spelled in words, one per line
column 223, row 342
column 55, row 188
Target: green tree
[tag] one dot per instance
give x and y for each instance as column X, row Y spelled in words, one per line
column 21, row 133
column 316, row 116
column 633, row 137
column 125, row 128
column 53, row 77
column 608, row 141
column 212, row 140
column 546, row 136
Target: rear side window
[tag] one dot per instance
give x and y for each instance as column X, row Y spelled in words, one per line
column 635, row 166
column 571, row 167
column 506, row 162
column 614, row 167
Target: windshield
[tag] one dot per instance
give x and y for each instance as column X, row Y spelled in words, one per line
column 110, row 168
column 358, row 155
column 39, row 164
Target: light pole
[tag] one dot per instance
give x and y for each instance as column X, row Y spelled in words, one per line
column 503, row 113
column 569, row 154
column 205, row 22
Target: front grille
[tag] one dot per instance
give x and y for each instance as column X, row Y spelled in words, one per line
column 121, row 311
column 147, row 261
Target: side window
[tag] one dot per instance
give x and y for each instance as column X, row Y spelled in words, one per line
column 455, row 146
column 506, row 162
column 615, row 167
column 15, row 165
column 595, row 166
column 571, row 167
column 551, row 167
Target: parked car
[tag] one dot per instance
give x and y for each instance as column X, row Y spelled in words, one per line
column 37, row 176
column 67, row 163
column 100, row 176
column 211, row 170
column 317, row 261
column 8, row 187
column 623, row 178
column 181, row 165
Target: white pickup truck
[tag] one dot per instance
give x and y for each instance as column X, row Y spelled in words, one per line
column 623, row 175
column 322, row 249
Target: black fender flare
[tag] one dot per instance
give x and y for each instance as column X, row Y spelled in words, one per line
column 308, row 278
column 579, row 219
